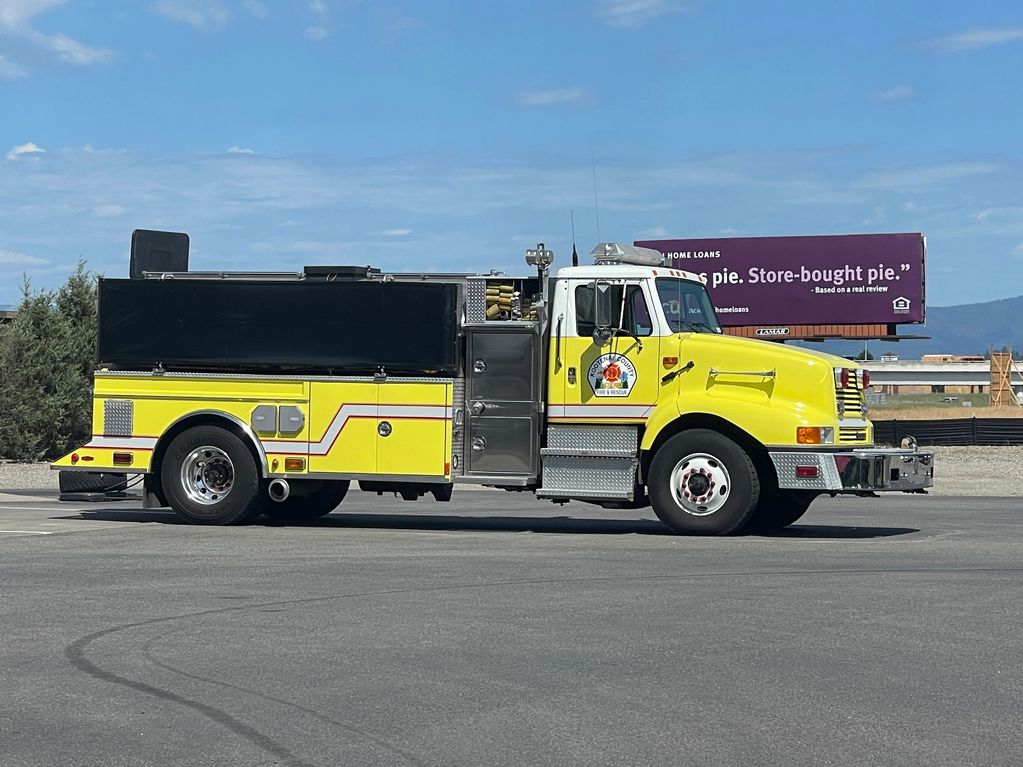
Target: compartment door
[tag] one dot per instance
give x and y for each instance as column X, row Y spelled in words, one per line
column 343, row 427
column 502, row 368
column 413, row 430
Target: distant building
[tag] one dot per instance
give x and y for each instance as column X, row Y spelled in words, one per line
column 7, row 314
column 889, row 357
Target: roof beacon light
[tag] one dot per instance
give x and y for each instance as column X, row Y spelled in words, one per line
column 616, row 253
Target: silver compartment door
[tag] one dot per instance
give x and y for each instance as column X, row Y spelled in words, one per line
column 503, row 387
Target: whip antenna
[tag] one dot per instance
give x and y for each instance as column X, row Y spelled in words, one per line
column 575, row 256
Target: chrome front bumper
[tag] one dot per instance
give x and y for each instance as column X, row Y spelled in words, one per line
column 855, row 471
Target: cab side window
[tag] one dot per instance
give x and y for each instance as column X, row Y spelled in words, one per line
column 635, row 318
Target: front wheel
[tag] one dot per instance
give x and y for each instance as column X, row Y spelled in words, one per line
column 210, row 477
column 701, row 482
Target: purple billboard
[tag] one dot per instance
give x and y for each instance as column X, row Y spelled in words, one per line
column 848, row 279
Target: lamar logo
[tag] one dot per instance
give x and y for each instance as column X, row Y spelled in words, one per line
column 772, row 332
column 901, row 305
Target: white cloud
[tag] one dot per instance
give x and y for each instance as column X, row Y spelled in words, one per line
column 924, row 176
column 108, row 211
column 654, row 233
column 397, row 232
column 15, row 16
column 972, row 39
column 569, row 96
column 632, row 13
column 24, row 149
column 321, row 13
column 73, row 52
column 9, row 70
column 1018, row 250
column 256, row 8
column 898, row 93
column 199, row 15
column 10, row 258
column 240, row 150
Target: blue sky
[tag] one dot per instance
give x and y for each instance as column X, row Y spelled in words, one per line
column 453, row 135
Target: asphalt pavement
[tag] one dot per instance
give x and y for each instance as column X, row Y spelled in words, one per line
column 502, row 630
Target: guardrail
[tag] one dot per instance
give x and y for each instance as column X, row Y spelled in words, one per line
column 951, row 431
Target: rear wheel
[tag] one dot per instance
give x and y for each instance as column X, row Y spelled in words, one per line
column 702, row 482
column 779, row 508
column 308, row 503
column 210, row 477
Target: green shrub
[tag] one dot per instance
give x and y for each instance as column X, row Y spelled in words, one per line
column 47, row 356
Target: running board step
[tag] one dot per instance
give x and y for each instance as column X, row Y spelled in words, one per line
column 572, row 475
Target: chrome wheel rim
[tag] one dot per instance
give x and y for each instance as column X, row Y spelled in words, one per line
column 700, row 484
column 207, row 475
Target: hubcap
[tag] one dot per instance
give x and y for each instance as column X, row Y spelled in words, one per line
column 700, row 484
column 207, row 475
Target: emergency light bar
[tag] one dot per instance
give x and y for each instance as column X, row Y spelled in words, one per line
column 616, row 253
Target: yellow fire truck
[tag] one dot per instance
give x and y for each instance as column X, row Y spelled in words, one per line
column 241, row 394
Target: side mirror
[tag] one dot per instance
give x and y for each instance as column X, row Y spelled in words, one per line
column 602, row 311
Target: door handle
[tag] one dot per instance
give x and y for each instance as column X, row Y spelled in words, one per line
column 478, row 408
column 479, row 366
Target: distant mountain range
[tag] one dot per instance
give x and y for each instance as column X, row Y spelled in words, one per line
column 965, row 329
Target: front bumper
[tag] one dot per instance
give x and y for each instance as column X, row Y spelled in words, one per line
column 855, row 471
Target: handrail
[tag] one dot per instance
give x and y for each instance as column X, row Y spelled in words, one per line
column 755, row 373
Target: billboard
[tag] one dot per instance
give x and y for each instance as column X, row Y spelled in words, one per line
column 847, row 279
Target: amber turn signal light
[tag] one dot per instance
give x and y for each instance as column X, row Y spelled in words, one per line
column 669, row 362
column 294, row 464
column 808, row 435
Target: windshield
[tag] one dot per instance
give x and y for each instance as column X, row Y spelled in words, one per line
column 687, row 306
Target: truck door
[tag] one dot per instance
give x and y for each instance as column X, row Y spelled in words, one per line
column 502, row 367
column 616, row 382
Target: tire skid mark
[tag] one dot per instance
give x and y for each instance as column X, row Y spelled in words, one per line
column 147, row 651
column 76, row 651
column 76, row 654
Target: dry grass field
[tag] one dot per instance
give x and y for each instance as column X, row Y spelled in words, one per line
column 885, row 412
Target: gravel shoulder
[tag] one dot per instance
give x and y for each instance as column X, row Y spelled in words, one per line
column 962, row 471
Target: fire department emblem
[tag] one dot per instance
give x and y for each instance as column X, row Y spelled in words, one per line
column 612, row 375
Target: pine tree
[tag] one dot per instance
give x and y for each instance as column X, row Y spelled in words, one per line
column 47, row 355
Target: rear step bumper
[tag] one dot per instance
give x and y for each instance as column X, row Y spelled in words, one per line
column 855, row 471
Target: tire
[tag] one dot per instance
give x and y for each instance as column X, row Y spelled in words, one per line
column 90, row 482
column 317, row 502
column 703, row 483
column 778, row 508
column 210, row 478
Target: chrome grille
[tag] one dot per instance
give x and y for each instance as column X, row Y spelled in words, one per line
column 852, row 435
column 849, row 399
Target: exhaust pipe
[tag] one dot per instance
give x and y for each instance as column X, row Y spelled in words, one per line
column 279, row 490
